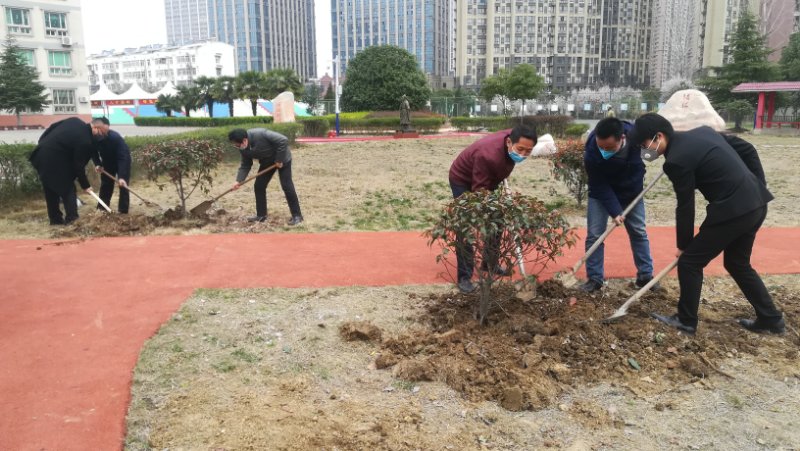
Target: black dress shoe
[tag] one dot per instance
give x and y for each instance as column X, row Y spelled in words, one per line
column 590, row 286
column 295, row 220
column 257, row 219
column 675, row 322
column 466, row 286
column 758, row 327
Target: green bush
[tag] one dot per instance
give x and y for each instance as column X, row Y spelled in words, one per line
column 555, row 125
column 385, row 125
column 314, row 126
column 569, row 168
column 576, row 130
column 199, row 121
column 17, row 175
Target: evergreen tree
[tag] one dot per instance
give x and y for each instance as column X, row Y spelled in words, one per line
column 790, row 67
column 20, row 88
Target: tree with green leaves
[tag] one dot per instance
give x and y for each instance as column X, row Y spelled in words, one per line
column 748, row 63
column 277, row 81
column 496, row 86
column 379, row 76
column 167, row 103
column 738, row 110
column 20, row 89
column 311, row 96
column 205, row 87
column 190, row 98
column 251, row 85
column 790, row 59
column 520, row 83
column 225, row 91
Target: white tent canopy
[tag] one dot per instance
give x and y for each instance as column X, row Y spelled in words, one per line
column 103, row 94
column 168, row 89
column 135, row 92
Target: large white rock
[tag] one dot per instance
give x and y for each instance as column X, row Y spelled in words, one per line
column 283, row 108
column 545, row 145
column 690, row 108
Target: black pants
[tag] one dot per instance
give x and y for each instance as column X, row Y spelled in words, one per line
column 107, row 191
column 285, row 176
column 53, row 200
column 465, row 254
column 735, row 238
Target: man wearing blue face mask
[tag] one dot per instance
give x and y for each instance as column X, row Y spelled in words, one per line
column 484, row 165
column 616, row 177
column 729, row 175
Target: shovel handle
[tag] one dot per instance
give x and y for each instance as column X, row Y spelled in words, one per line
column 614, row 225
column 644, row 289
column 259, row 173
column 127, row 188
column 97, row 198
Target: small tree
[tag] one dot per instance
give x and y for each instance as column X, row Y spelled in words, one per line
column 521, row 83
column 496, row 86
column 167, row 103
column 494, row 225
column 188, row 164
column 189, row 98
column 277, row 81
column 20, row 89
column 225, row 91
column 205, row 89
column 738, row 110
column 568, row 167
column 251, row 85
column 311, row 96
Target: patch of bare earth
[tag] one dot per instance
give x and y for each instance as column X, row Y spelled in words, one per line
column 407, row 368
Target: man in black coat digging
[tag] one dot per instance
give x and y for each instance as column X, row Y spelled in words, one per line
column 116, row 160
column 728, row 172
column 60, row 157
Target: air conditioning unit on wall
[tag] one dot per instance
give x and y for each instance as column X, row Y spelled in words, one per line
column 66, row 41
column 83, row 99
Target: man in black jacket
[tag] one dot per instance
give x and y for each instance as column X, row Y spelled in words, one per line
column 116, row 160
column 60, row 157
column 268, row 148
column 732, row 181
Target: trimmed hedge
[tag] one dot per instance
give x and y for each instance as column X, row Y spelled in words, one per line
column 555, row 125
column 17, row 175
column 314, row 126
column 576, row 130
column 199, row 121
column 385, row 125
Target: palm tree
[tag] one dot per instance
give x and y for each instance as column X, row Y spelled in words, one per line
column 189, row 98
column 250, row 85
column 225, row 91
column 205, row 86
column 167, row 103
column 281, row 80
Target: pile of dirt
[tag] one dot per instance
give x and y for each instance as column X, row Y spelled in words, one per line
column 360, row 330
column 533, row 351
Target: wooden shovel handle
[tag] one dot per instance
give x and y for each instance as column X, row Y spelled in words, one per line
column 247, row 180
column 126, row 187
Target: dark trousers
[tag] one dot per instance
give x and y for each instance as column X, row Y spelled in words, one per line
column 465, row 253
column 735, row 238
column 53, row 200
column 107, row 191
column 285, row 176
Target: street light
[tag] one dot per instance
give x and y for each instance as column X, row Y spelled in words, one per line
column 336, row 89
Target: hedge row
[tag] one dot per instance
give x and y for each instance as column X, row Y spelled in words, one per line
column 555, row 125
column 384, row 125
column 17, row 176
column 199, row 121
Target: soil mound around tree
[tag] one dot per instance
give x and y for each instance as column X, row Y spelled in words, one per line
column 533, row 352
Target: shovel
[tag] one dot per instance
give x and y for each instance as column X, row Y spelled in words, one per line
column 146, row 202
column 99, row 201
column 623, row 310
column 569, row 279
column 206, row 204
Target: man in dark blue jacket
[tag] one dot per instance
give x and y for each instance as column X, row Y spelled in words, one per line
column 729, row 175
column 115, row 158
column 616, row 177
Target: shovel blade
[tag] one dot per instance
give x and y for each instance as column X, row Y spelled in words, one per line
column 567, row 279
column 619, row 313
column 201, row 208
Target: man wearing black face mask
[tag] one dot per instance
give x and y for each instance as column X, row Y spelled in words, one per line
column 616, row 177
column 731, row 179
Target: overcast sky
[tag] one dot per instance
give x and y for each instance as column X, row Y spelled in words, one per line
column 122, row 23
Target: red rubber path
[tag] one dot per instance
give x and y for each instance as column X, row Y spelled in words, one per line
column 75, row 315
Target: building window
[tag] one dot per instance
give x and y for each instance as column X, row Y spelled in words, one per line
column 64, row 101
column 18, row 20
column 28, row 56
column 55, row 24
column 60, row 63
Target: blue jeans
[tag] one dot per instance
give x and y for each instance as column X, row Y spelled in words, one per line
column 596, row 223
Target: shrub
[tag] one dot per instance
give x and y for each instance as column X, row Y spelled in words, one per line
column 386, row 124
column 314, row 126
column 493, row 222
column 199, row 121
column 187, row 163
column 576, row 130
column 568, row 167
column 555, row 125
column 17, row 175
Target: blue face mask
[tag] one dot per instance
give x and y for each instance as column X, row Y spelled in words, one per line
column 606, row 154
column 516, row 157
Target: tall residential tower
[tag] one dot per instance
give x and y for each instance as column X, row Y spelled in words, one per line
column 187, row 21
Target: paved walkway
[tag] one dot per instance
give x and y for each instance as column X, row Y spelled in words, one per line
column 76, row 314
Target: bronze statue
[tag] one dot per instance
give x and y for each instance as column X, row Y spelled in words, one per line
column 405, row 113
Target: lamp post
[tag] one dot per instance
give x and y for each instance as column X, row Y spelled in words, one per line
column 336, row 89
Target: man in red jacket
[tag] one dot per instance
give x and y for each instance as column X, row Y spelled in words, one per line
column 484, row 165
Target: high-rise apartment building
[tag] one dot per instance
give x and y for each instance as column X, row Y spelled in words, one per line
column 50, row 36
column 718, row 19
column 777, row 19
column 675, row 42
column 423, row 27
column 267, row 34
column 187, row 21
column 572, row 43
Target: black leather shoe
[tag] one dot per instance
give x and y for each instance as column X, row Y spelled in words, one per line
column 295, row 220
column 590, row 286
column 640, row 283
column 761, row 328
column 675, row 322
column 466, row 286
column 257, row 219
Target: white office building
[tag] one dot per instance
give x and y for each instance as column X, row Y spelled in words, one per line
column 151, row 67
column 50, row 36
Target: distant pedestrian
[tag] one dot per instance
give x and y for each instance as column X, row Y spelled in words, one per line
column 610, row 112
column 115, row 157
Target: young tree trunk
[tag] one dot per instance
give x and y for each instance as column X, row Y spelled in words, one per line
column 230, row 108
column 182, row 196
column 188, row 111
column 210, row 105
column 254, row 105
column 19, row 119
